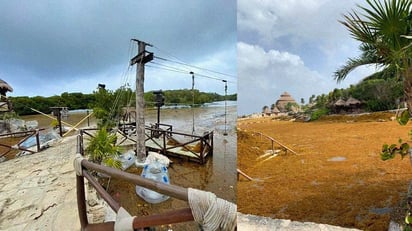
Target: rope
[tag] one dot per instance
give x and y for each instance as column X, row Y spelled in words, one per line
column 210, row 212
column 77, row 164
column 124, row 221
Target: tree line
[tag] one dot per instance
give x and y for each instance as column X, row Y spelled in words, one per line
column 375, row 95
column 121, row 97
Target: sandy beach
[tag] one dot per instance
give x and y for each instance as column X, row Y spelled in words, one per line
column 37, row 192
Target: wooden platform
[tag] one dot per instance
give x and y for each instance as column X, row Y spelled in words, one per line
column 167, row 142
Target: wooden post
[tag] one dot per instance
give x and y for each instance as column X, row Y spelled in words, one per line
column 164, row 142
column 211, row 142
column 140, row 122
column 225, row 81
column 141, row 58
column 81, row 202
column 81, row 147
column 193, row 102
column 37, row 140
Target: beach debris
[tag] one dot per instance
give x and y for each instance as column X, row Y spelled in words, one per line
column 46, row 138
column 158, row 172
column 337, row 159
column 239, row 172
column 127, row 159
column 154, row 156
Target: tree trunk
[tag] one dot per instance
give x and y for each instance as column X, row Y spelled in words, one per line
column 407, row 87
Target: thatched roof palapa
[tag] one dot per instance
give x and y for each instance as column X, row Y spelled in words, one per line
column 340, row 102
column 4, row 87
column 352, row 101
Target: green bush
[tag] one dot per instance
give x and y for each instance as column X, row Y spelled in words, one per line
column 318, row 113
column 102, row 148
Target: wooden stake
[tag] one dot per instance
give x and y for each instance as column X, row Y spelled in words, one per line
column 244, row 174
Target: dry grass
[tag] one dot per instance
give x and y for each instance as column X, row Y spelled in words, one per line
column 357, row 192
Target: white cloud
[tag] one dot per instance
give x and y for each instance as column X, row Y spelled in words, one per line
column 297, row 46
column 304, row 19
column 264, row 75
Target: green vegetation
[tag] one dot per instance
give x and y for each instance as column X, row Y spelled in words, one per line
column 105, row 100
column 104, row 108
column 185, row 97
column 102, row 149
column 383, row 29
column 317, row 113
column 375, row 94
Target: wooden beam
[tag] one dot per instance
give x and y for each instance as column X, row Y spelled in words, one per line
column 244, row 174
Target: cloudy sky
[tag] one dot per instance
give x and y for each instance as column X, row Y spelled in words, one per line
column 51, row 47
column 292, row 46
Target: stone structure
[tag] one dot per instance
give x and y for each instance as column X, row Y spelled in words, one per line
column 284, row 99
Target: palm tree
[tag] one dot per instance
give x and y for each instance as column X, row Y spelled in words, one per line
column 102, row 148
column 383, row 30
column 265, row 109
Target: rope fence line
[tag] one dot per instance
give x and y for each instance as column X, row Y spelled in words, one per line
column 275, row 141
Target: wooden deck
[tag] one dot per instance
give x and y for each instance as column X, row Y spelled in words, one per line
column 162, row 139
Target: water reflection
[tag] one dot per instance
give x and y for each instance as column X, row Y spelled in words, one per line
column 217, row 175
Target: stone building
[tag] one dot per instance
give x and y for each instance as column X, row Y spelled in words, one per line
column 283, row 101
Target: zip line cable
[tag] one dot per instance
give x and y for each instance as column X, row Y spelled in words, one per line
column 179, row 61
column 125, row 80
column 182, row 68
column 184, row 71
column 193, row 66
column 174, row 69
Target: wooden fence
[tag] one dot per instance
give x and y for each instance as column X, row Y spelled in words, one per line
column 170, row 217
column 158, row 139
column 27, row 135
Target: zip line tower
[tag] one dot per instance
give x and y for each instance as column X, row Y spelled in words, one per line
column 140, row 59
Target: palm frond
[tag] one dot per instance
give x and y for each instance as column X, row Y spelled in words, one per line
column 368, row 57
column 379, row 27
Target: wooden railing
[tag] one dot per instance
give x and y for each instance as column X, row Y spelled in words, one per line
column 273, row 141
column 159, row 135
column 27, row 135
column 182, row 141
column 175, row 216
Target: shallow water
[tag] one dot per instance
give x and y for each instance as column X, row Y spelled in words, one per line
column 217, row 175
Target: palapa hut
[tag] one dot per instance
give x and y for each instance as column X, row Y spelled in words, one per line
column 351, row 105
column 339, row 106
column 5, row 104
column 4, row 87
column 275, row 110
column 284, row 99
column 266, row 110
